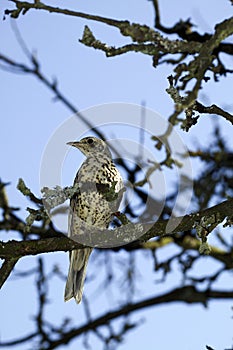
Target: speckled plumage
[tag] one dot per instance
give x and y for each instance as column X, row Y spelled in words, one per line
column 91, row 205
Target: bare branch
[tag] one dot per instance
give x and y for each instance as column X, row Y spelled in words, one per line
column 141, row 34
column 186, row 294
column 18, row 341
column 201, row 63
column 89, row 40
column 6, row 269
column 213, row 109
column 23, row 7
column 138, row 33
column 15, row 249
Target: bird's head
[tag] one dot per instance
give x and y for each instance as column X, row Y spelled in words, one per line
column 91, row 147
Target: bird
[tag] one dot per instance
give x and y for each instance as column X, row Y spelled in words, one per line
column 91, row 204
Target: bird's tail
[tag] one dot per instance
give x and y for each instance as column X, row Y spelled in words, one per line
column 76, row 274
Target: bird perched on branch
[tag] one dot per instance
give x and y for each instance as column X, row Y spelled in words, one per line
column 93, row 204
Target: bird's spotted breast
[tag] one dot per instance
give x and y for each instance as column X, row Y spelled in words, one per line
column 96, row 176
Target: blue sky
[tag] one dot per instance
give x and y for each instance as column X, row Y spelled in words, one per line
column 30, row 116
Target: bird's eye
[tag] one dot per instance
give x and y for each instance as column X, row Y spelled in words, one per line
column 90, row 141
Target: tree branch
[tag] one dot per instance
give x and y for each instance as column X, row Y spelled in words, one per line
column 213, row 109
column 188, row 294
column 23, row 7
column 138, row 33
column 6, row 269
column 16, row 249
column 151, row 42
column 19, row 341
column 141, row 34
column 202, row 62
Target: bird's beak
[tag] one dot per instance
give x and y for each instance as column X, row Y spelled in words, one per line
column 74, row 144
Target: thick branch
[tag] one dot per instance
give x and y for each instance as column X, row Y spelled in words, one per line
column 33, row 247
column 15, row 249
column 187, row 222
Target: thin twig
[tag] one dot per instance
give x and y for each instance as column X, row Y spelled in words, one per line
column 213, row 109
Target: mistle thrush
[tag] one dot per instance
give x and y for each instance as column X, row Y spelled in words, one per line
column 91, row 204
